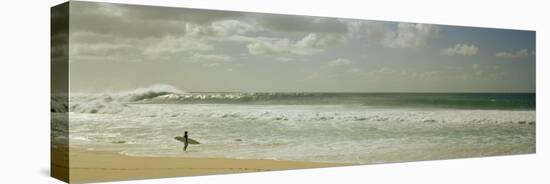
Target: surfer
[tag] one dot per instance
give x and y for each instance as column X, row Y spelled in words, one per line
column 186, row 141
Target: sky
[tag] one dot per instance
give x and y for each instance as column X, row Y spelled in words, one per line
column 120, row 47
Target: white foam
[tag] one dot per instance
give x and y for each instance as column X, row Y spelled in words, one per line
column 356, row 134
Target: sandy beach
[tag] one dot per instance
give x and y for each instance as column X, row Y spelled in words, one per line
column 96, row 166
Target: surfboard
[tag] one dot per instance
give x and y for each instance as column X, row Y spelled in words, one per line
column 182, row 139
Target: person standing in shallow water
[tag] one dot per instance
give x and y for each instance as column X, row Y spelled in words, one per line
column 185, row 142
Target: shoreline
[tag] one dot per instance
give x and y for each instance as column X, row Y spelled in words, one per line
column 100, row 166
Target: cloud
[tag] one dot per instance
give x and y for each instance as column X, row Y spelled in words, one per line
column 149, row 21
column 211, row 65
column 100, row 49
column 176, row 44
column 113, row 19
column 141, row 21
column 103, row 31
column 460, row 50
column 514, row 55
column 197, row 16
column 339, row 62
column 316, row 40
column 311, row 44
column 115, row 32
column 374, row 31
column 393, row 35
column 272, row 46
column 222, row 28
column 87, row 46
column 409, row 35
column 301, row 24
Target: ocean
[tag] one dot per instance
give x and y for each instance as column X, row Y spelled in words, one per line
column 357, row 128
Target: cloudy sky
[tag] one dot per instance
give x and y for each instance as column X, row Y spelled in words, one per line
column 119, row 47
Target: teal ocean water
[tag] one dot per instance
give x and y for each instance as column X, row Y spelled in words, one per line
column 517, row 101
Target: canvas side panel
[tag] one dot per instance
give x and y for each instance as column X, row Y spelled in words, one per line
column 59, row 77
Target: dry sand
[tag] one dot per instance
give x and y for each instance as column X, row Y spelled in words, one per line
column 95, row 166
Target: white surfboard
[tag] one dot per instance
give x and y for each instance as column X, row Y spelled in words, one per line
column 182, row 139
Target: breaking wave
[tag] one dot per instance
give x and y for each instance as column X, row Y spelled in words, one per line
column 58, row 104
column 112, row 103
column 147, row 93
column 166, row 94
